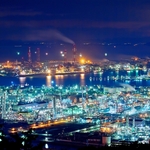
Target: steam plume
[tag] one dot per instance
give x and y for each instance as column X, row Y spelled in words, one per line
column 127, row 86
column 48, row 35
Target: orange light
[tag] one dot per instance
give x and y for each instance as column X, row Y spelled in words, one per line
column 82, row 61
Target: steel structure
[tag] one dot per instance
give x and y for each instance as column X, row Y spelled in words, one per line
column 3, row 104
column 74, row 54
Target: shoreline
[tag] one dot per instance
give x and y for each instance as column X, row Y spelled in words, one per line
column 47, row 74
column 44, row 74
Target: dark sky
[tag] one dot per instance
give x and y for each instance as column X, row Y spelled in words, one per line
column 75, row 21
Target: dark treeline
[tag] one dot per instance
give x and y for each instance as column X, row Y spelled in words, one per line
column 25, row 141
column 134, row 145
column 16, row 142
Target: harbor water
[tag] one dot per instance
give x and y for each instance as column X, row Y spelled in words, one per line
column 107, row 78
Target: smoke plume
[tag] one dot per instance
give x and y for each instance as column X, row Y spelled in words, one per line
column 48, row 35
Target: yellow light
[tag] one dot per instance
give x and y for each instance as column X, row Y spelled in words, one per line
column 82, row 69
column 82, row 61
column 13, row 129
column 48, row 71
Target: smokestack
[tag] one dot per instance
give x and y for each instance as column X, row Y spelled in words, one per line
column 74, row 54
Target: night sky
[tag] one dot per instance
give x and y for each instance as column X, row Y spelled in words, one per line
column 96, row 27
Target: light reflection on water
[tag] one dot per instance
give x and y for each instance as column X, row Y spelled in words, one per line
column 59, row 79
column 22, row 80
column 82, row 79
column 106, row 79
column 48, row 80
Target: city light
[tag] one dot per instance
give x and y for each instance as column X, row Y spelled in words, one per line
column 18, row 53
column 82, row 61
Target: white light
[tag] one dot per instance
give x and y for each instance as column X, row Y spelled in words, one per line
column 46, row 145
column 23, row 143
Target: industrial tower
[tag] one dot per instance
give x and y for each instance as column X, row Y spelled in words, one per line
column 3, row 104
column 74, row 54
column 54, row 107
column 29, row 55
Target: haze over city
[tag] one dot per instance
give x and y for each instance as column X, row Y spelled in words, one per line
column 96, row 27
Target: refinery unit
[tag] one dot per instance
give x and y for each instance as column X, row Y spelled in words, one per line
column 101, row 115
column 31, row 68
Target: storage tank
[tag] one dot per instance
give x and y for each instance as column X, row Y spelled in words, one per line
column 106, row 140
